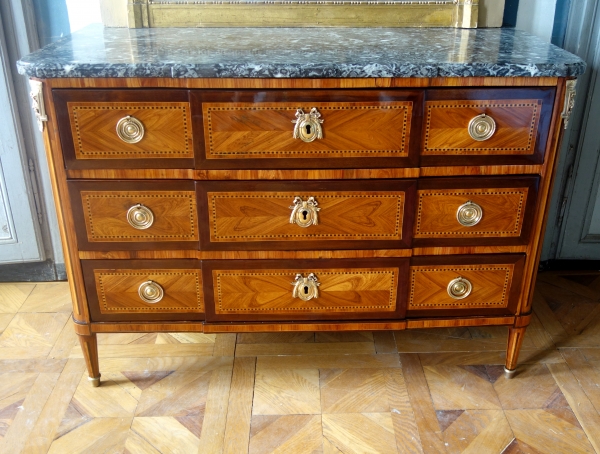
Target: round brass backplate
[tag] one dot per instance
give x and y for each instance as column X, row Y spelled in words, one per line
column 469, row 214
column 482, row 127
column 151, row 292
column 459, row 288
column 130, row 129
column 140, row 217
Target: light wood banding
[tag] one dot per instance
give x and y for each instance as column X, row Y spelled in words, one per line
column 168, row 132
column 446, row 127
column 252, row 255
column 264, row 130
column 257, row 83
column 302, row 174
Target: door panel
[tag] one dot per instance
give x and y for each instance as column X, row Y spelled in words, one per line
column 579, row 236
column 19, row 240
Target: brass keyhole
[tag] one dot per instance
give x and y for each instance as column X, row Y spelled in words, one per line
column 306, row 289
column 307, row 129
column 304, row 214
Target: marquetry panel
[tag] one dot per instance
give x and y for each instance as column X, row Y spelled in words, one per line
column 266, row 290
column 113, row 289
column 167, row 130
column 428, row 286
column 118, row 291
column 503, row 212
column 265, row 130
column 270, row 291
column 446, row 127
column 175, row 217
column 494, row 283
column 260, row 216
column 346, row 215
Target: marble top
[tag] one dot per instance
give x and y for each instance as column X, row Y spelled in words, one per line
column 96, row 51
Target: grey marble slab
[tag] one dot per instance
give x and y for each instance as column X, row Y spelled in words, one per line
column 299, row 52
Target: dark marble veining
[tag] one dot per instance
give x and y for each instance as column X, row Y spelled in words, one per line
column 299, row 52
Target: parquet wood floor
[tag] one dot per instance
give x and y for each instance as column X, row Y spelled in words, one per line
column 428, row 391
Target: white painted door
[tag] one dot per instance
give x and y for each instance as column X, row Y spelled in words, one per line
column 20, row 239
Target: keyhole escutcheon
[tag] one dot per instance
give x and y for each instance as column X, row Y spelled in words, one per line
column 304, row 212
column 305, row 288
column 308, row 125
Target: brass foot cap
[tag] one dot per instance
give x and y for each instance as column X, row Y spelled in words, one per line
column 509, row 373
column 95, row 381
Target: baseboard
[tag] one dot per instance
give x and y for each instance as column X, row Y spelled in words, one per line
column 61, row 271
column 569, row 265
column 33, row 272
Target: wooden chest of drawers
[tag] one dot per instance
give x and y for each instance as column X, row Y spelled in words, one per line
column 275, row 205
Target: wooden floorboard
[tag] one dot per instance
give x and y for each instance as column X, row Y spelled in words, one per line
column 420, row 391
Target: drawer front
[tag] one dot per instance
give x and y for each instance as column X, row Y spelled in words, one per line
column 125, row 128
column 306, row 214
column 135, row 215
column 123, row 290
column 307, row 290
column 309, row 128
column 471, row 211
column 492, row 126
column 464, row 285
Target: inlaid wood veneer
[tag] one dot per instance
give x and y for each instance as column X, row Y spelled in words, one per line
column 503, row 212
column 270, row 291
column 175, row 215
column 347, row 215
column 521, row 119
column 88, row 122
column 224, row 83
column 167, row 130
column 264, row 130
column 389, row 173
column 259, row 216
column 103, row 208
column 249, row 129
column 243, row 290
column 446, row 127
column 114, row 290
column 506, row 206
column 491, row 284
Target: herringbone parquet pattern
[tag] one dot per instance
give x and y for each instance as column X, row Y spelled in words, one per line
column 428, row 391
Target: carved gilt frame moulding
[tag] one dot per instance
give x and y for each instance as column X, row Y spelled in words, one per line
column 302, row 13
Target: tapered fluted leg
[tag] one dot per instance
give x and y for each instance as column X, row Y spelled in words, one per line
column 515, row 340
column 89, row 346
